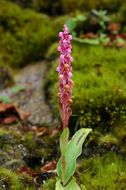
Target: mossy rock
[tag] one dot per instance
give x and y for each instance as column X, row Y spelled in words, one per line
column 99, row 91
column 11, row 150
column 35, row 145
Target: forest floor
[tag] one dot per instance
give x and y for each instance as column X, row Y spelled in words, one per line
column 28, row 129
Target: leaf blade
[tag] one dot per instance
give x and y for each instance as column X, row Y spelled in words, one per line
column 64, row 140
column 73, row 150
column 72, row 185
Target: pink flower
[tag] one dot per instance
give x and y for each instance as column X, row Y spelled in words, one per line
column 64, row 70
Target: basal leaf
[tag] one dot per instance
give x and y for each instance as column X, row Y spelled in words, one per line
column 72, row 185
column 64, row 140
column 73, row 150
column 59, row 185
column 81, row 18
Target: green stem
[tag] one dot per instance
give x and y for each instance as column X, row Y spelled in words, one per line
column 63, row 168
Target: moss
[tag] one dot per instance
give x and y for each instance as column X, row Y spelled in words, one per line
column 42, row 146
column 59, row 7
column 107, row 172
column 9, row 180
column 23, row 33
column 99, row 86
column 6, row 78
column 120, row 133
column 122, row 13
column 8, row 136
column 34, row 145
column 51, row 7
column 27, row 182
column 49, row 185
column 108, row 139
column 73, row 5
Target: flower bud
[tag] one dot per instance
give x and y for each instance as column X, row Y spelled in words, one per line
column 60, row 77
column 67, row 88
column 66, row 66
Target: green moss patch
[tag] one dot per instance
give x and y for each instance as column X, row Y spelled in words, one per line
column 10, row 180
column 99, row 91
column 23, row 33
column 107, row 173
column 49, row 185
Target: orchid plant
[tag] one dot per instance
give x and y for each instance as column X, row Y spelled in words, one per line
column 70, row 149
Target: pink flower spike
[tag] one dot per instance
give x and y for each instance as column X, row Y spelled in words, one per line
column 65, row 73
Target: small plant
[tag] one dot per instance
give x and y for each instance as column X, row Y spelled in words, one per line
column 90, row 29
column 100, row 17
column 72, row 23
column 70, row 150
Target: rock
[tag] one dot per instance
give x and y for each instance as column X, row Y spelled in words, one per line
column 31, row 99
column 11, row 151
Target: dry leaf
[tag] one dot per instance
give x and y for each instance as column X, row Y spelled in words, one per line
column 27, row 171
column 8, row 113
column 9, row 120
column 49, row 166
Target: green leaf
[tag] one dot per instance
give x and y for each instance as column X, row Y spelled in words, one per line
column 17, row 88
column 72, row 185
column 59, row 185
column 87, row 41
column 71, row 24
column 103, row 38
column 81, row 18
column 73, row 150
column 74, row 34
column 64, row 140
column 5, row 99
